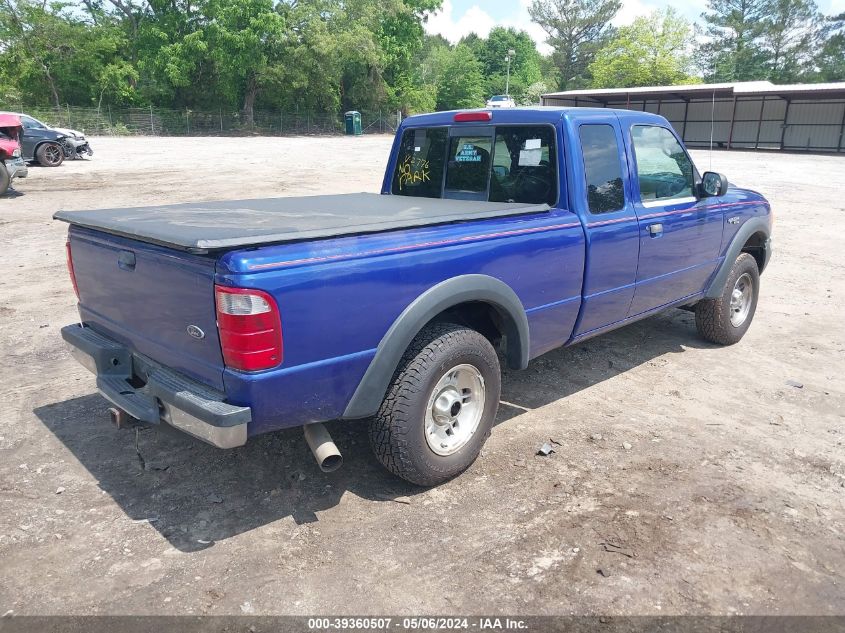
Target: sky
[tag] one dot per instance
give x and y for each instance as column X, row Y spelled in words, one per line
column 461, row 17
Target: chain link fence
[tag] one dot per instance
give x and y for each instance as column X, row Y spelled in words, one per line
column 152, row 121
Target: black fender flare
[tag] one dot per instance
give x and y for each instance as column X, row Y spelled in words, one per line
column 749, row 228
column 463, row 289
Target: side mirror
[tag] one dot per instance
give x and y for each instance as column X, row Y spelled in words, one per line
column 713, row 184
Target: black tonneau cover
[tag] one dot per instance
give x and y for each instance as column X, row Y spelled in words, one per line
column 206, row 226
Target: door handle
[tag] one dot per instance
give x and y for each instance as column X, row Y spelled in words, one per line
column 126, row 260
column 655, row 230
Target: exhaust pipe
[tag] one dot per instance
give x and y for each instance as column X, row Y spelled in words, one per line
column 325, row 452
column 120, row 418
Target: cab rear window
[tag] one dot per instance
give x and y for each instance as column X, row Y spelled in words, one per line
column 508, row 164
column 469, row 164
column 419, row 171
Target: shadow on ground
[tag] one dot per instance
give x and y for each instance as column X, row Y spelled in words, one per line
column 568, row 370
column 195, row 494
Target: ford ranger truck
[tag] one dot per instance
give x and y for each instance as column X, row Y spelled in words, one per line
column 498, row 236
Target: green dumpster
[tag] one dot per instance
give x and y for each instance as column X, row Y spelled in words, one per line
column 353, row 123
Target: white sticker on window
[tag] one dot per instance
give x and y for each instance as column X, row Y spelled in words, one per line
column 530, row 157
column 533, row 143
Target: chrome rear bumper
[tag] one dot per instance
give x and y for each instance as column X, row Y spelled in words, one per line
column 153, row 393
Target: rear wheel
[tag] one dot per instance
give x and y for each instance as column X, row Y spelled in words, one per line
column 726, row 319
column 50, row 154
column 5, row 179
column 440, row 406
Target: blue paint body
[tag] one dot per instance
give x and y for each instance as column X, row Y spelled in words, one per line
column 576, row 274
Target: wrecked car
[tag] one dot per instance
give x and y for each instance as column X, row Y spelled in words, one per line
column 11, row 164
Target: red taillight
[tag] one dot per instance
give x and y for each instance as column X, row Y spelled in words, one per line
column 463, row 117
column 70, row 268
column 250, row 328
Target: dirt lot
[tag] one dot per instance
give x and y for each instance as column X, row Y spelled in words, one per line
column 729, row 498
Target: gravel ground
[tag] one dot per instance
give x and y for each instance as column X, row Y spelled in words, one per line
column 691, row 479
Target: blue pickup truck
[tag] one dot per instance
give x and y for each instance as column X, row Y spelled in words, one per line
column 497, row 235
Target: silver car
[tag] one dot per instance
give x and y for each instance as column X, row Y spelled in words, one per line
column 501, row 101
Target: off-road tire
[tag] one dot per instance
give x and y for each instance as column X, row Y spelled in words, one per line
column 48, row 158
column 713, row 316
column 5, row 179
column 397, row 432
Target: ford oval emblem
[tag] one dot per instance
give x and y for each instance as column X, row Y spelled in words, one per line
column 195, row 331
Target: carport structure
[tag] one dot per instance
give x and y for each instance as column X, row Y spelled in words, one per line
column 743, row 115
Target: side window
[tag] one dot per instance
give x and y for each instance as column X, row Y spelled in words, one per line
column 31, row 123
column 664, row 170
column 602, row 169
column 524, row 165
column 469, row 164
column 419, row 170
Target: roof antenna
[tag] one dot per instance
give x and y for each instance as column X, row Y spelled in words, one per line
column 712, row 116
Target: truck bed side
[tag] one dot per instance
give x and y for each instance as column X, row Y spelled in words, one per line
column 337, row 298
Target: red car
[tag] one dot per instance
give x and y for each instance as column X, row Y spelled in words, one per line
column 11, row 164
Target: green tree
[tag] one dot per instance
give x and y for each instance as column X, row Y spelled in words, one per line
column 748, row 40
column 116, row 81
column 532, row 94
column 549, row 71
column 734, row 30
column 310, row 75
column 49, row 53
column 400, row 36
column 653, row 51
column 474, row 42
column 791, row 39
column 170, row 52
column 524, row 67
column 830, row 60
column 245, row 40
column 429, row 66
column 576, row 29
column 461, row 83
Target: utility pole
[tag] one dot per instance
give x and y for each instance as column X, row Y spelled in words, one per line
column 511, row 53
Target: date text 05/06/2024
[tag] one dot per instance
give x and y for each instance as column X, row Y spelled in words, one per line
column 417, row 623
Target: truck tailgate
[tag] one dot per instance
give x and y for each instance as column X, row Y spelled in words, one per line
column 146, row 297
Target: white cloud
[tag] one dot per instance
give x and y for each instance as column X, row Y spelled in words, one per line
column 477, row 20
column 630, row 11
column 522, row 21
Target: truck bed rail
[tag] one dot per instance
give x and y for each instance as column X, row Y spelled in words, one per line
column 200, row 227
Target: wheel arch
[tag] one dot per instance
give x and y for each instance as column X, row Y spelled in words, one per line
column 479, row 301
column 44, row 141
column 757, row 245
column 753, row 238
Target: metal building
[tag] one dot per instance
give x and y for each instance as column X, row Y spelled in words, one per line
column 747, row 115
